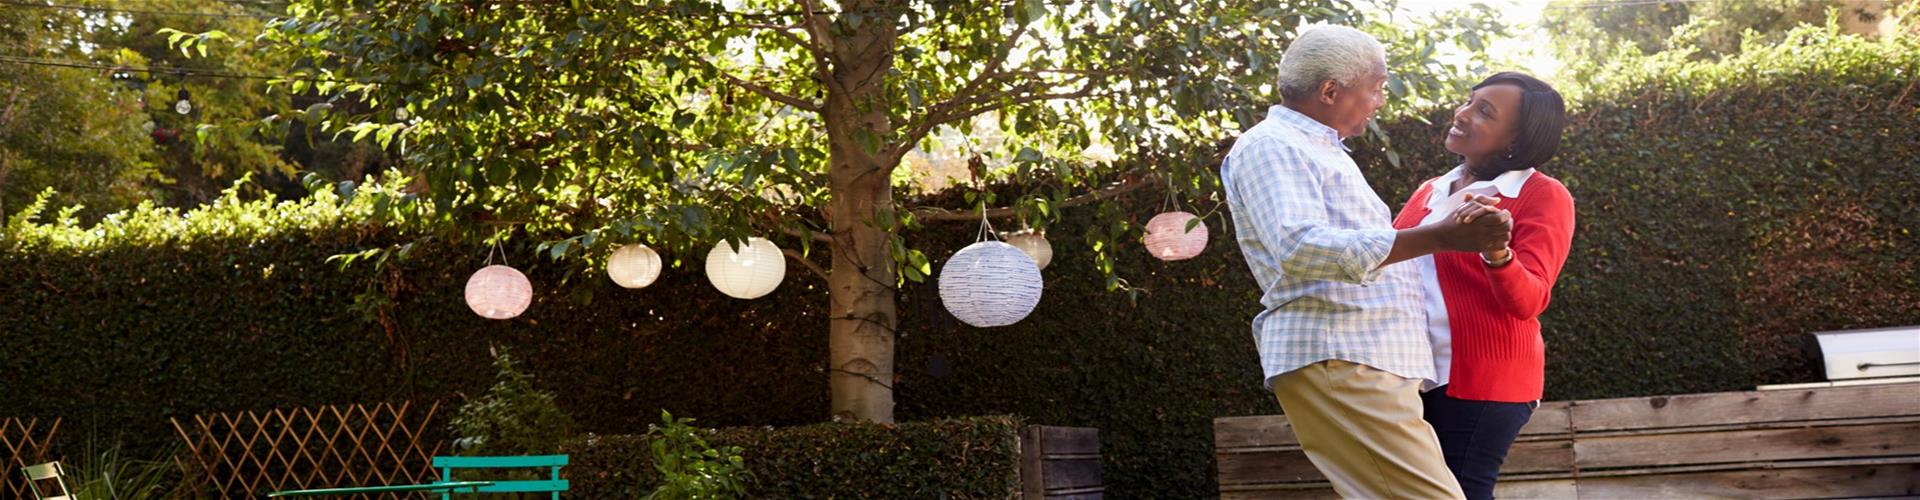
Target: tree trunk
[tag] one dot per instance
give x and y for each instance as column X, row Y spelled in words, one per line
column 861, row 287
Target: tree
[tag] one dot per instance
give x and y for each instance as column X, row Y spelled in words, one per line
column 1590, row 33
column 688, row 122
column 73, row 127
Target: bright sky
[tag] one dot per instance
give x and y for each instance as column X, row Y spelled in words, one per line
column 1527, row 51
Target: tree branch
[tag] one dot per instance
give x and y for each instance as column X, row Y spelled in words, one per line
column 936, row 214
column 785, row 31
column 758, row 89
column 993, row 66
column 817, row 28
column 817, row 237
column 795, row 255
column 992, row 103
column 935, row 115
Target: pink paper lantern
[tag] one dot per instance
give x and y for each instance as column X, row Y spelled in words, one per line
column 499, row 292
column 1168, row 238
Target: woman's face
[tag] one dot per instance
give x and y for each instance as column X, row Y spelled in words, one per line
column 1484, row 128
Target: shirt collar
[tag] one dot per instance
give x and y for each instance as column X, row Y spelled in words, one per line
column 1507, row 184
column 1306, row 124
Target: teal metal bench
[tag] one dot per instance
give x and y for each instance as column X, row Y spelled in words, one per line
column 554, row 485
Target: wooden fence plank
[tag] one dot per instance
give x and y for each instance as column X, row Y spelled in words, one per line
column 1060, row 462
column 1552, row 419
column 1324, row 492
column 1254, row 431
column 1267, row 467
column 1746, row 407
column 1069, row 440
column 1541, row 488
column 1842, row 441
column 1816, row 482
column 1071, row 474
column 1032, row 482
column 1290, row 465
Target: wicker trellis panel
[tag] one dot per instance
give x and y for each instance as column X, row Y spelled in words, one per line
column 250, row 454
column 23, row 442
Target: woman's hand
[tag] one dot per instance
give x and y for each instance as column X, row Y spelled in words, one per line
column 1480, row 211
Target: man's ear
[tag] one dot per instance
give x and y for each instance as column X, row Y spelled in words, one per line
column 1328, row 89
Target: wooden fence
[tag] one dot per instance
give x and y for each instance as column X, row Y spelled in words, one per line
column 250, row 454
column 23, row 442
column 1060, row 463
column 1855, row 441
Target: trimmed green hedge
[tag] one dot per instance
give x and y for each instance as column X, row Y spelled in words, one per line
column 977, row 457
column 1724, row 211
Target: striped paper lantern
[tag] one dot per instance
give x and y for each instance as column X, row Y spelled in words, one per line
column 634, row 266
column 499, row 292
column 1169, row 239
column 990, row 284
column 750, row 273
column 1035, row 244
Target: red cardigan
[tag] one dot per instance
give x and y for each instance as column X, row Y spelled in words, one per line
column 1498, row 354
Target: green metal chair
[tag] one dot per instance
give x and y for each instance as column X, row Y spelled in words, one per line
column 51, row 474
column 554, row 485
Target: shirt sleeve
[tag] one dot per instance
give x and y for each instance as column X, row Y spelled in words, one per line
column 1542, row 236
column 1284, row 195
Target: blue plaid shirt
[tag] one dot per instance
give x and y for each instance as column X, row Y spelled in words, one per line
column 1314, row 234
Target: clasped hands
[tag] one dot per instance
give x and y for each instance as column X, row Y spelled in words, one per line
column 1479, row 226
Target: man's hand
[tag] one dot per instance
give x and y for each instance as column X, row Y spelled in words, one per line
column 1477, row 226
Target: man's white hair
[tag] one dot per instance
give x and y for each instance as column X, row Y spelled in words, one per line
column 1328, row 52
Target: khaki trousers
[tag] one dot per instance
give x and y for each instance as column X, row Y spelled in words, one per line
column 1362, row 427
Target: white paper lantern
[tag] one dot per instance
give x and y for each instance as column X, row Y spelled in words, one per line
column 499, row 292
column 634, row 266
column 1035, row 245
column 1169, row 239
column 990, row 284
column 751, row 273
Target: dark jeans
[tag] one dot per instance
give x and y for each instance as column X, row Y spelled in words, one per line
column 1474, row 436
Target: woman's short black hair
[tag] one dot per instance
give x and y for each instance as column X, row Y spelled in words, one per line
column 1543, row 115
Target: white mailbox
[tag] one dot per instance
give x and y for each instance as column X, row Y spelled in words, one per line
column 1880, row 352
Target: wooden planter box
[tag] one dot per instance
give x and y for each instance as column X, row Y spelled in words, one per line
column 1060, row 463
column 1852, row 441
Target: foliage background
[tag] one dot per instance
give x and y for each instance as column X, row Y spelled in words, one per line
column 1726, row 209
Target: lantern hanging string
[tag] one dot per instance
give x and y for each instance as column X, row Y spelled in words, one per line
column 1169, row 202
column 986, row 228
column 494, row 246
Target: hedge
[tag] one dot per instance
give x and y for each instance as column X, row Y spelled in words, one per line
column 976, row 457
column 1725, row 210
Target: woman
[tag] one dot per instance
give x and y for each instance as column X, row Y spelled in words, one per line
column 1483, row 310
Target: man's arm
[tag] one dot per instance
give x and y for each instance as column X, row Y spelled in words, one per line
column 1489, row 228
column 1280, row 193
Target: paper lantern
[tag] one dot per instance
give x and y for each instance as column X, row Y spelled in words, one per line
column 990, row 284
column 752, row 272
column 634, row 266
column 499, row 292
column 1169, row 239
column 1035, row 245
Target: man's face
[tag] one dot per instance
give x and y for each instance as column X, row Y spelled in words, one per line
column 1354, row 104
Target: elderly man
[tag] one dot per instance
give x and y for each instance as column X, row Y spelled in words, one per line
column 1343, row 334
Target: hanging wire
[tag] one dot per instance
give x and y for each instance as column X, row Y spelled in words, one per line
column 495, row 247
column 30, row 61
column 1169, row 202
column 115, row 10
column 986, row 228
